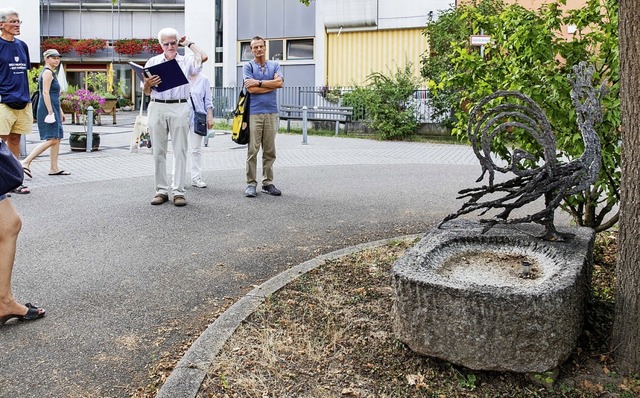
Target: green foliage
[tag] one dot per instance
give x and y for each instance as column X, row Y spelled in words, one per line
column 97, row 82
column 528, row 54
column 121, row 90
column 71, row 89
column 452, row 28
column 468, row 382
column 390, row 105
column 33, row 75
column 358, row 99
column 332, row 95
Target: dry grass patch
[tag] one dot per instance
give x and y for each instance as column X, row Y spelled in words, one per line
column 328, row 334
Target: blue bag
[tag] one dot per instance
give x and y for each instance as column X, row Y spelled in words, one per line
column 11, row 172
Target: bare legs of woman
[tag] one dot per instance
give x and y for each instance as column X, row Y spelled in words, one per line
column 54, row 145
column 10, row 225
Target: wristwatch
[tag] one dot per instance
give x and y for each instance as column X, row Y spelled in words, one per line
column 259, row 83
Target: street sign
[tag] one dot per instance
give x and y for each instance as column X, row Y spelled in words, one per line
column 479, row 40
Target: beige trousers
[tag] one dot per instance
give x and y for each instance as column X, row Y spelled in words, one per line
column 262, row 129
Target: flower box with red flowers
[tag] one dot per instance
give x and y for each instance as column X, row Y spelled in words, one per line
column 88, row 46
column 129, row 46
column 62, row 44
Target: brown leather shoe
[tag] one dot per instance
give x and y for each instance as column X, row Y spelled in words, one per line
column 159, row 199
column 179, row 201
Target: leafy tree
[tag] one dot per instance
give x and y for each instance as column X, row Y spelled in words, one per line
column 454, row 25
column 528, row 54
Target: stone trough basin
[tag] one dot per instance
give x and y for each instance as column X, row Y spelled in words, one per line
column 504, row 301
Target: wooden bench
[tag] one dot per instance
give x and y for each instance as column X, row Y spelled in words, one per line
column 338, row 114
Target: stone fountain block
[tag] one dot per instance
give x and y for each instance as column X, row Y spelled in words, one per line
column 461, row 296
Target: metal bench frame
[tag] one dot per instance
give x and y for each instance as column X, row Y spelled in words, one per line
column 338, row 114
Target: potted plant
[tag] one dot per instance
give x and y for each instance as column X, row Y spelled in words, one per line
column 121, row 91
column 78, row 103
column 78, row 141
column 97, row 82
column 88, row 46
column 125, row 104
column 62, row 44
column 66, row 105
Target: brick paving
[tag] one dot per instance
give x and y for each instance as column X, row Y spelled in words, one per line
column 114, row 159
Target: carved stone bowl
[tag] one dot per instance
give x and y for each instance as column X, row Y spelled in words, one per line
column 503, row 301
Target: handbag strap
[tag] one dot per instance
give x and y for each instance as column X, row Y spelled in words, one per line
column 141, row 103
column 192, row 104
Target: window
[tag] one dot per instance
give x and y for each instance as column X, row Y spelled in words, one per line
column 218, row 76
column 300, row 49
column 296, row 49
column 275, row 50
column 245, row 51
column 219, row 53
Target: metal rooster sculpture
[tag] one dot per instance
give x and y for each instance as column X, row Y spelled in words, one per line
column 553, row 180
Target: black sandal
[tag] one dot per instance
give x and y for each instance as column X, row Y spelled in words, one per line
column 22, row 190
column 33, row 313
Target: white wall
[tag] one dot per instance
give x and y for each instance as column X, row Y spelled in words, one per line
column 30, row 30
column 199, row 25
column 393, row 14
column 408, row 13
column 230, row 37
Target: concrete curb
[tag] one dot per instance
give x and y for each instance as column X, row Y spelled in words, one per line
column 186, row 378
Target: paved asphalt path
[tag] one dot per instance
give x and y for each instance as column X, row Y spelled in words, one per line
column 124, row 283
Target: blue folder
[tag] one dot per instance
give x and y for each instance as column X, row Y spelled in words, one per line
column 169, row 72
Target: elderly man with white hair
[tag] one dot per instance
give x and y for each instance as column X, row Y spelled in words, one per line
column 169, row 114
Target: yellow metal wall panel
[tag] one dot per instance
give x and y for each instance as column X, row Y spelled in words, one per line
column 352, row 56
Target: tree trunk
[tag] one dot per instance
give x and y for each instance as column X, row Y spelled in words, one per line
column 626, row 328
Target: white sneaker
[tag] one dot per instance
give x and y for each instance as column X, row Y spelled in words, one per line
column 198, row 183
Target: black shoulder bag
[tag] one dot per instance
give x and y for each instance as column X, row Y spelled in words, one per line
column 199, row 121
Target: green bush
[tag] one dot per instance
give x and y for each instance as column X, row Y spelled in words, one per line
column 386, row 103
column 358, row 99
column 391, row 106
column 33, row 75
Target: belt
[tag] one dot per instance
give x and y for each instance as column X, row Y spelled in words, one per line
column 176, row 101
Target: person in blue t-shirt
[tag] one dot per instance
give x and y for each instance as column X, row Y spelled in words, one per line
column 262, row 78
column 16, row 116
column 14, row 92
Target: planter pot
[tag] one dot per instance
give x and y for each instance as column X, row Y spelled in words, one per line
column 109, row 106
column 78, row 142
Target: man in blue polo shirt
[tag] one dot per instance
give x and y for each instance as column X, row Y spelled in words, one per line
column 262, row 78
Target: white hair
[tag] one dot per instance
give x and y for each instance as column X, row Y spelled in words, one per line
column 7, row 12
column 168, row 32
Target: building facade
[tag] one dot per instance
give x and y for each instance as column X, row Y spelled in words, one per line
column 328, row 43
